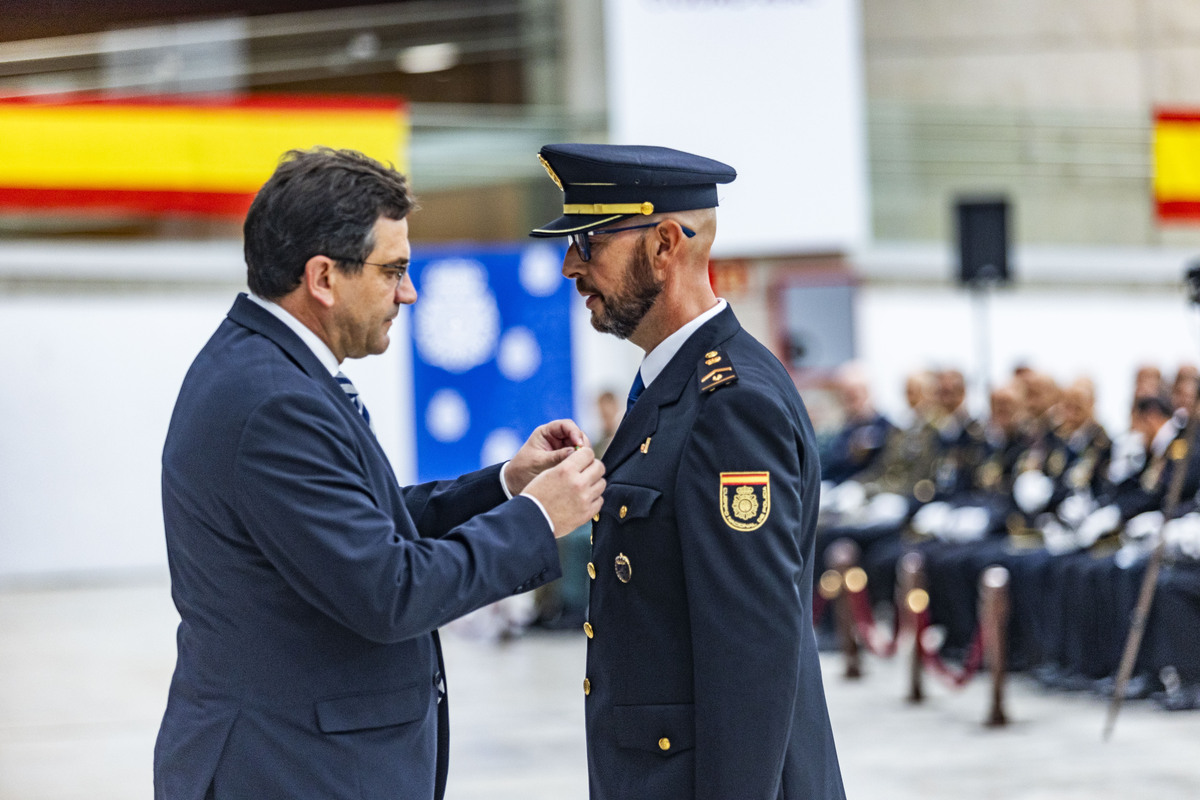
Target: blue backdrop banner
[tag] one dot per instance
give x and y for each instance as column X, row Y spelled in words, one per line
column 491, row 341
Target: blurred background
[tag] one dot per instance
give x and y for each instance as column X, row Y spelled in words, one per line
column 864, row 134
column 923, row 184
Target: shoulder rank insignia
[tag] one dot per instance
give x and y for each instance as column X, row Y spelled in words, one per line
column 745, row 499
column 715, row 371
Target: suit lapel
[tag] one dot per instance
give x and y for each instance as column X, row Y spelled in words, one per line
column 249, row 314
column 642, row 420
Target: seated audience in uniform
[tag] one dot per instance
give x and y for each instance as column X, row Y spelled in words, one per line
column 861, row 438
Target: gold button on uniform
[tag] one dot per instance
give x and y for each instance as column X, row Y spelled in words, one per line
column 591, row 570
column 664, row 744
column 624, row 511
column 596, row 518
column 587, row 628
column 587, row 686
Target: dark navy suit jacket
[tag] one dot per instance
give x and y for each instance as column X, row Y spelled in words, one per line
column 310, row 584
column 703, row 679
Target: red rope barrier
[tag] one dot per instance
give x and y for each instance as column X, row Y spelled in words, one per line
column 933, row 661
column 868, row 631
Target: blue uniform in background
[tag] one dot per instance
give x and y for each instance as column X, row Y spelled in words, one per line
column 855, row 447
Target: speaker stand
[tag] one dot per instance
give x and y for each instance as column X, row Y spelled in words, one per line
column 981, row 297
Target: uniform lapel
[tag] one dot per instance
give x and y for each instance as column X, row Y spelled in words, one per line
column 642, row 421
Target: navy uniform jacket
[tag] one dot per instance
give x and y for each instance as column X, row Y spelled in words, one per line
column 1147, row 491
column 855, row 447
column 310, row 584
column 961, row 448
column 702, row 673
column 1078, row 461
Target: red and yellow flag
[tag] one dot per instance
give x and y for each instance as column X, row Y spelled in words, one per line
column 169, row 156
column 1177, row 165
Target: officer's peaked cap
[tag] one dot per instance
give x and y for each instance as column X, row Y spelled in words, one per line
column 603, row 183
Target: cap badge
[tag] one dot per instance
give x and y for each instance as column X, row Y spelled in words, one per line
column 551, row 172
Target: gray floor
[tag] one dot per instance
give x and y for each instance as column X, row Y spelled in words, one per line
column 84, row 671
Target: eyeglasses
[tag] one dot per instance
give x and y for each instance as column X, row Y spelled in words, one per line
column 395, row 271
column 583, row 241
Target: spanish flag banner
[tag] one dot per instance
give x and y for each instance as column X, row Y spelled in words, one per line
column 1177, row 165
column 159, row 156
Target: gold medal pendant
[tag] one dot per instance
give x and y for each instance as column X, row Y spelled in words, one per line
column 623, row 567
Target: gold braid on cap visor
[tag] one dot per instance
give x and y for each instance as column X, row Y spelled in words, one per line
column 645, row 208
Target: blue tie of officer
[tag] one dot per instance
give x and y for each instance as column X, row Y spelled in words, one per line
column 635, row 391
column 352, row 393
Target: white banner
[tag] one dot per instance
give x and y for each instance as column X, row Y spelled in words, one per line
column 772, row 88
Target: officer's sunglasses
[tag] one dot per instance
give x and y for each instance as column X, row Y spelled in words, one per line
column 583, row 241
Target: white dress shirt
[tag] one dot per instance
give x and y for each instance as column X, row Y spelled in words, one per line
column 658, row 358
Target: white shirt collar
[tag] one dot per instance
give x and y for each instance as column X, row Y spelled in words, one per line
column 306, row 334
column 658, row 358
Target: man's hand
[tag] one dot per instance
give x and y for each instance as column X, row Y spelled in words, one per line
column 546, row 447
column 572, row 491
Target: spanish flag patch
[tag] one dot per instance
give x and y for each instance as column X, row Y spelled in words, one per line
column 745, row 499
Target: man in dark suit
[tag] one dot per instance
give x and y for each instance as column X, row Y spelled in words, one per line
column 309, row 583
column 703, row 679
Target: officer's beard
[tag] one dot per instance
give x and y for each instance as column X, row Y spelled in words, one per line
column 622, row 313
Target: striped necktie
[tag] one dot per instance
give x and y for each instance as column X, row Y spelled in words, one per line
column 352, row 393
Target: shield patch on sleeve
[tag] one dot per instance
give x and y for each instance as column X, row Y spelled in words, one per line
column 745, row 499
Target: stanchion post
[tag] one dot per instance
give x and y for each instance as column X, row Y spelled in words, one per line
column 842, row 558
column 993, row 626
column 912, row 602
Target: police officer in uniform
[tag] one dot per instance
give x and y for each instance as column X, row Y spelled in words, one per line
column 961, row 439
column 908, row 456
column 864, row 431
column 702, row 679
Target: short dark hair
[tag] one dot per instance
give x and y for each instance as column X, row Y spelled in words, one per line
column 318, row 202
